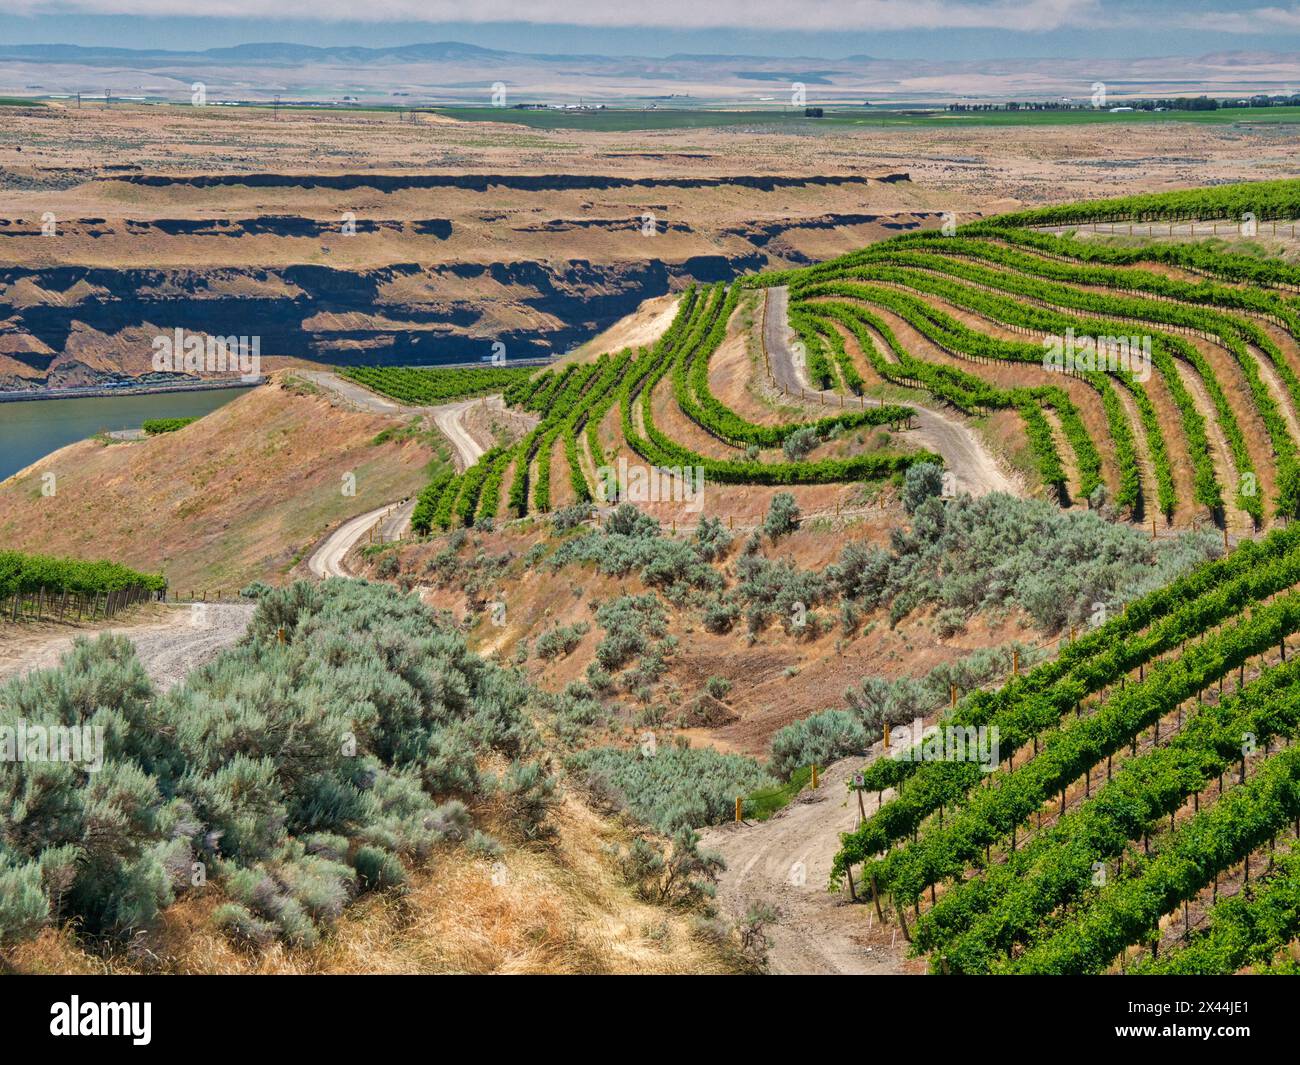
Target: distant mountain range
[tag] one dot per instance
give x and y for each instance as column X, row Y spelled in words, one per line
column 452, row 71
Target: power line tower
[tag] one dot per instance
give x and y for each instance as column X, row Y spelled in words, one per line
column 275, row 110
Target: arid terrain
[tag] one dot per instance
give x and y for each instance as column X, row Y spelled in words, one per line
column 339, row 238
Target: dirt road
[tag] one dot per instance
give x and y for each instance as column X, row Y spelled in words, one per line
column 448, row 417
column 450, row 420
column 974, row 468
column 357, row 396
column 327, row 560
column 168, row 650
column 786, row 863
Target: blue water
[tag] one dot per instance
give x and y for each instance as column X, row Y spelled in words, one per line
column 30, row 429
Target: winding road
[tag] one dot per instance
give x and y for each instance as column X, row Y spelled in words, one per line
column 785, row 862
column 975, row 469
column 395, row 518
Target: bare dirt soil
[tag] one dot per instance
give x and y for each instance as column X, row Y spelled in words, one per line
column 785, row 862
column 168, row 649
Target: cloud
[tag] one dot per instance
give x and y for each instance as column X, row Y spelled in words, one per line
column 1256, row 20
column 784, row 15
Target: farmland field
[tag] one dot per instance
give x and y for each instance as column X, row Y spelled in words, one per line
column 622, row 119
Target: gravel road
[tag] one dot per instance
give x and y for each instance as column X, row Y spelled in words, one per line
column 168, row 650
column 975, row 469
column 786, row 863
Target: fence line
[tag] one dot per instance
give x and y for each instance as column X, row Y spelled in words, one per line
column 48, row 604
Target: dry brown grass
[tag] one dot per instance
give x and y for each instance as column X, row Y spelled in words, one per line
column 562, row 908
column 239, row 495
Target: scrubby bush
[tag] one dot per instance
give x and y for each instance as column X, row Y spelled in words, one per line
column 630, row 623
column 529, row 791
column 720, row 614
column 800, row 444
column 628, row 520
column 874, row 701
column 921, row 482
column 571, row 517
column 684, row 876
column 776, row 589
column 675, row 787
column 298, row 774
column 712, row 539
column 782, row 516
column 718, row 687
column 561, row 640
column 998, row 551
column 821, row 739
column 631, row 542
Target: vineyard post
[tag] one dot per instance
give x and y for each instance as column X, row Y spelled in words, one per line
column 814, row 776
column 739, row 802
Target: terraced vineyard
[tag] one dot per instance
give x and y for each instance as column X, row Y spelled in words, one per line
column 1164, row 378
column 572, row 403
column 1134, row 776
column 1135, row 802
column 1183, row 397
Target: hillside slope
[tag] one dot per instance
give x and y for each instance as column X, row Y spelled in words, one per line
column 239, row 495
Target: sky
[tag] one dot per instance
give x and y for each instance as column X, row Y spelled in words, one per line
column 938, row 29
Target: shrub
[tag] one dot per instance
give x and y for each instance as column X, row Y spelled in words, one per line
column 718, row 687
column 921, row 482
column 630, row 622
column 821, row 739
column 674, row 787
column 720, row 614
column 529, row 793
column 561, row 640
column 299, row 773
column 685, row 877
column 627, row 520
column 800, row 444
column 712, row 539
column 571, row 517
column 782, row 516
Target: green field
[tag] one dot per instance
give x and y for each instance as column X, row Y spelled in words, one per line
column 625, row 120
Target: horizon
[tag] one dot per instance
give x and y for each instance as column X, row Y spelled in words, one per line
column 881, row 29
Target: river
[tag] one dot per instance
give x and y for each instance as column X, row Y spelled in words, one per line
column 30, row 429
